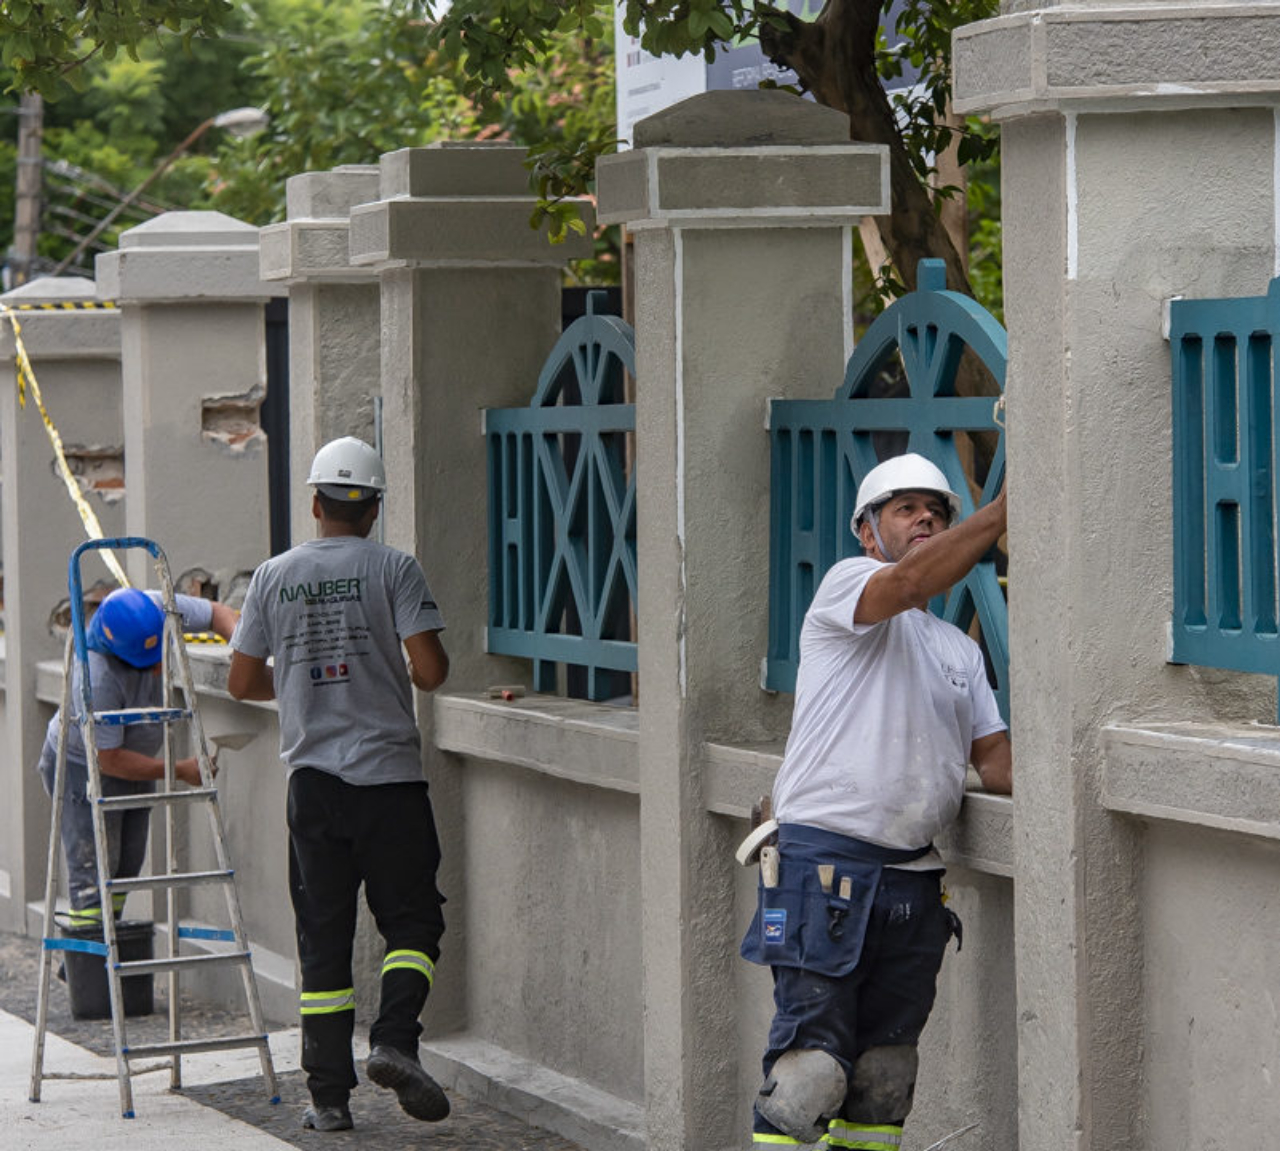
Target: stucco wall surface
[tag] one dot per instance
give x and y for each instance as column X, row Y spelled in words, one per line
column 1211, row 931
column 553, row 922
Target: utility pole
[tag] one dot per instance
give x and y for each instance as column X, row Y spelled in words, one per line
column 26, row 218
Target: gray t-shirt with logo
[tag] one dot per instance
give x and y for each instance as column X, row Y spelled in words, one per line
column 333, row 613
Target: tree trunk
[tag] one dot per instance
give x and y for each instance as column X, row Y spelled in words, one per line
column 834, row 56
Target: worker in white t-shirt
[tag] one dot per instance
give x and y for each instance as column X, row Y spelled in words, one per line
column 892, row 705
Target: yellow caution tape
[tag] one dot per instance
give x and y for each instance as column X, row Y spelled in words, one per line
column 202, row 637
column 64, row 306
column 27, row 376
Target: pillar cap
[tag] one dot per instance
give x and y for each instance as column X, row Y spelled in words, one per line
column 185, row 256
column 743, row 159
column 314, row 242
column 1118, row 59
column 458, row 205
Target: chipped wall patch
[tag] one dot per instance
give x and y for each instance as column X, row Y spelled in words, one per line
column 99, row 470
column 234, row 421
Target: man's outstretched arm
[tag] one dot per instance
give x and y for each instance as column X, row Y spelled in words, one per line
column 933, row 567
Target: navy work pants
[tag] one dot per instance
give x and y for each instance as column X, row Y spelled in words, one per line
column 341, row 836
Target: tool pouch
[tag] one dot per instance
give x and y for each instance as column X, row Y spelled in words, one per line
column 797, row 923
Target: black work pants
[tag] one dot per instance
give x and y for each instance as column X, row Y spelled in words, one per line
column 340, row 836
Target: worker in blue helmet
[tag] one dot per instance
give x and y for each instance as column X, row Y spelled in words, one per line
column 125, row 638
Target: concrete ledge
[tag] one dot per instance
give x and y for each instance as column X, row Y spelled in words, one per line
column 1220, row 776
column 779, row 186
column 1160, row 55
column 981, row 839
column 545, row 1098
column 307, row 250
column 589, row 743
column 464, row 232
column 93, row 335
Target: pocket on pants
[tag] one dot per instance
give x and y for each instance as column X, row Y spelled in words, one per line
column 797, row 924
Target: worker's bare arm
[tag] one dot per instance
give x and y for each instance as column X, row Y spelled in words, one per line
column 992, row 758
column 122, row 763
column 428, row 661
column 250, row 678
column 224, row 619
column 931, row 567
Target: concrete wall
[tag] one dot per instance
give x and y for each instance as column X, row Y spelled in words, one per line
column 76, row 358
column 1138, row 161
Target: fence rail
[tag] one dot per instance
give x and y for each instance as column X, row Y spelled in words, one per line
column 821, row 449
column 1226, row 459
column 562, row 514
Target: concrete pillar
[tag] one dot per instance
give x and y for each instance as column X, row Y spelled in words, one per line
column 76, row 358
column 334, row 321
column 741, row 205
column 470, row 310
column 1138, row 158
column 193, row 356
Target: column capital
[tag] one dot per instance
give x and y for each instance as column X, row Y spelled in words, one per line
column 761, row 159
column 458, row 205
column 1118, row 58
column 313, row 243
column 182, row 256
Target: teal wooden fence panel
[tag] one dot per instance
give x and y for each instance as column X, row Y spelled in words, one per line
column 821, row 450
column 1226, row 458
column 562, row 513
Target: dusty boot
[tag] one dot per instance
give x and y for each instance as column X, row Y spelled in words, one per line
column 420, row 1096
column 333, row 1117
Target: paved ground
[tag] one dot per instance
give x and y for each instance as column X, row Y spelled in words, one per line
column 222, row 1099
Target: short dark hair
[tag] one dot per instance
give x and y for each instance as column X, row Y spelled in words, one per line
column 345, row 511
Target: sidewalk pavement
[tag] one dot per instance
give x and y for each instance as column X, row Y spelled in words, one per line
column 223, row 1098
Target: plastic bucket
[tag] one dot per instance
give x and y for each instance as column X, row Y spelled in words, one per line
column 87, row 973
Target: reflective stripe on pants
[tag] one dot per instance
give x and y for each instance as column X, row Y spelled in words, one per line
column 327, row 1002
column 418, row 961
column 864, row 1136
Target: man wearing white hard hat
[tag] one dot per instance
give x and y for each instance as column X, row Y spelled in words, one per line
column 337, row 615
column 892, row 704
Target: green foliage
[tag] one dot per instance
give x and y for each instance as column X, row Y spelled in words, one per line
column 44, row 43
column 925, row 29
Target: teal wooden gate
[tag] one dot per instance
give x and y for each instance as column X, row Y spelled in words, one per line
column 821, row 450
column 562, row 513
column 1226, row 460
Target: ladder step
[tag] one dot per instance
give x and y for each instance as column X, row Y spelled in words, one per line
column 179, row 962
column 177, row 879
column 128, row 715
column 190, row 1046
column 156, row 798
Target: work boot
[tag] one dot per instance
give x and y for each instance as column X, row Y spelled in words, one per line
column 330, row 1117
column 420, row 1096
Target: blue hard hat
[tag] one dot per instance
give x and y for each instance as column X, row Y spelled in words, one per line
column 128, row 624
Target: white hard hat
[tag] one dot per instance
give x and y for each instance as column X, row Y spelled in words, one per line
column 905, row 473
column 348, row 469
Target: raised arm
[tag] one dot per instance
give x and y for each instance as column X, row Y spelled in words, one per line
column 224, row 619
column 933, row 566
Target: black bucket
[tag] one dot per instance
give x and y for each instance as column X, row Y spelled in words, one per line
column 87, row 973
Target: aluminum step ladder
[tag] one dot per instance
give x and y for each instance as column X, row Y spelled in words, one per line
column 175, row 673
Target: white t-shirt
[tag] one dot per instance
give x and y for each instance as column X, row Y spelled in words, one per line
column 885, row 715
